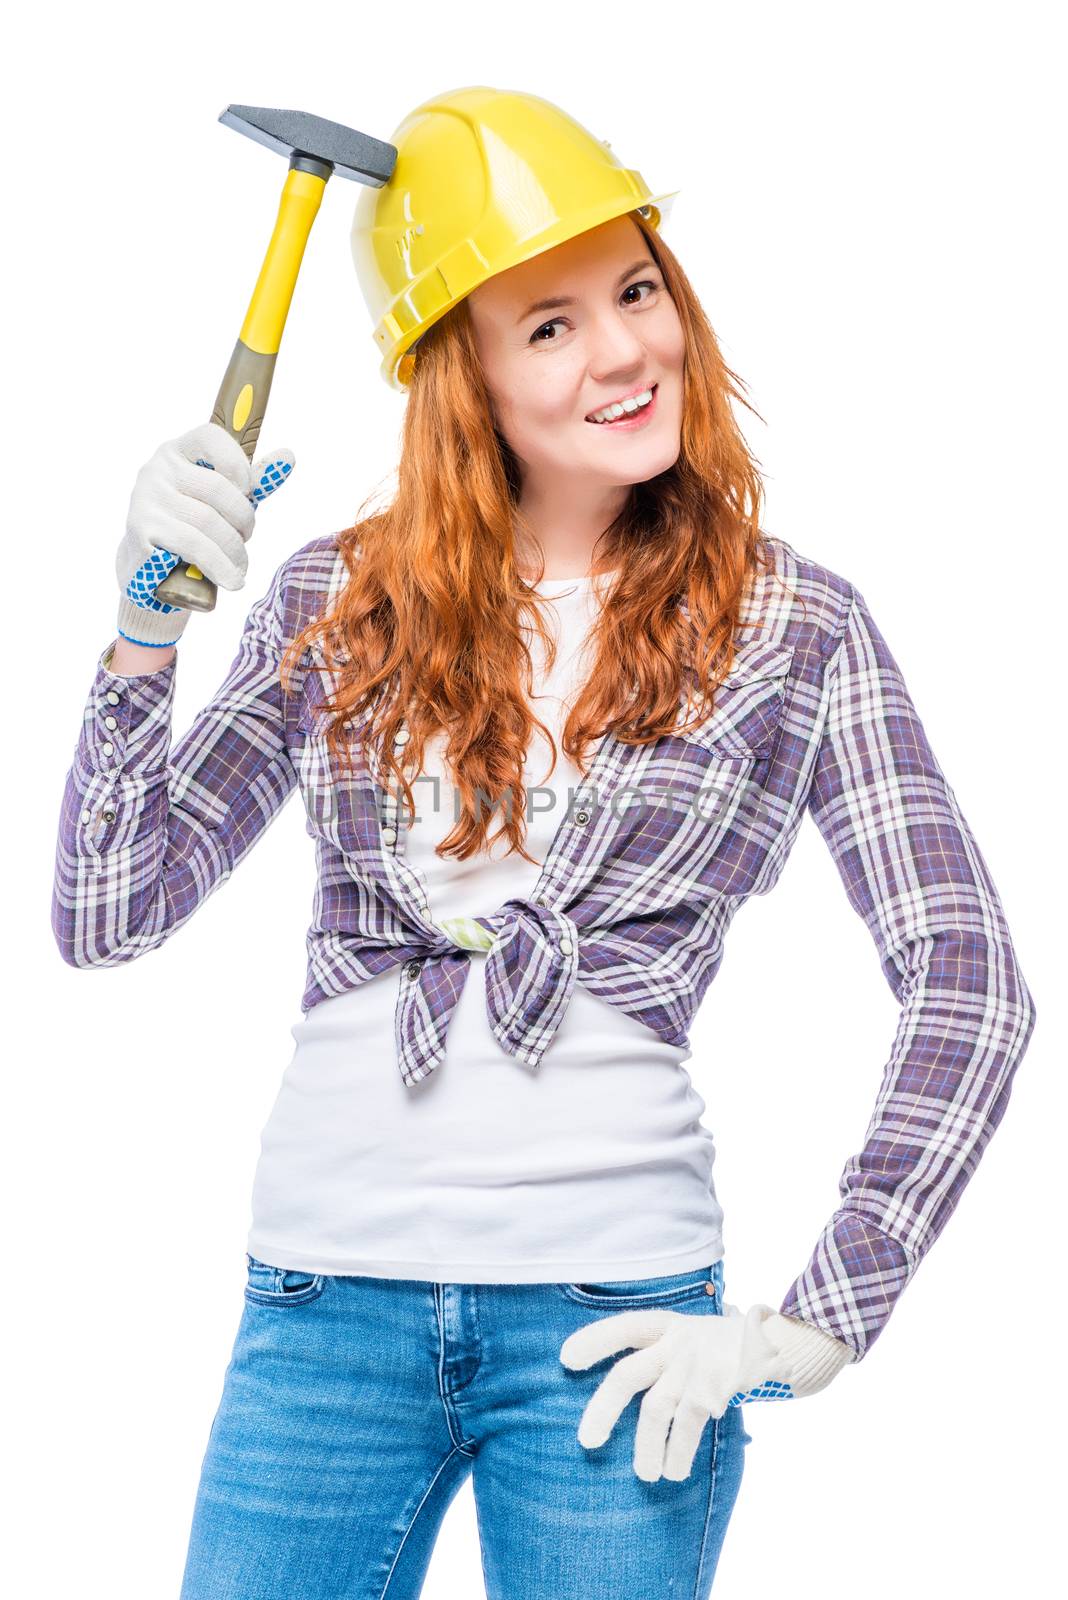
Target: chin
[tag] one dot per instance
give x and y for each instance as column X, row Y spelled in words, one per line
column 652, row 465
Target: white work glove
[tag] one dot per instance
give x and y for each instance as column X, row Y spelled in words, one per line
column 694, row 1367
column 194, row 500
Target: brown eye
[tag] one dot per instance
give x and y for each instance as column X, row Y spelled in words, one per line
column 646, row 283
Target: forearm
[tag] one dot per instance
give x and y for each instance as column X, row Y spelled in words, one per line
column 127, row 660
column 113, row 819
column 914, row 873
column 148, row 832
column 966, row 1019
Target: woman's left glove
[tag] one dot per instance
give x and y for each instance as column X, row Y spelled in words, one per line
column 694, row 1367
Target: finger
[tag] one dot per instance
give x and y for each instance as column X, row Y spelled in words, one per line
column 198, row 514
column 612, row 1396
column 607, row 1336
column 648, row 1460
column 143, row 583
column 206, row 486
column 182, row 539
column 654, row 1419
column 270, row 472
column 217, row 445
column 686, row 1430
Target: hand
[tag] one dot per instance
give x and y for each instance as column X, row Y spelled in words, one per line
column 194, row 500
column 694, row 1367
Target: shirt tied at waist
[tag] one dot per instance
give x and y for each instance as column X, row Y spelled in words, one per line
column 531, row 964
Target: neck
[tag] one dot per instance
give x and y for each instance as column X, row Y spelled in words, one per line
column 560, row 525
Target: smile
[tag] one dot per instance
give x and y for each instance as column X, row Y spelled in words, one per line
column 633, row 411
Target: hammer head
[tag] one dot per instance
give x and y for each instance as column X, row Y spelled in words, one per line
column 351, row 153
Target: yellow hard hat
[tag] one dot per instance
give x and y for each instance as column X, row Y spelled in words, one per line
column 484, row 178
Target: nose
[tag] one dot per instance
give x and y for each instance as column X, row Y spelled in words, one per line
column 615, row 349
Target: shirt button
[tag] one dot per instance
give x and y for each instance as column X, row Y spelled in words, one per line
column 87, row 816
column 108, row 748
column 402, row 737
column 565, row 946
column 582, row 816
column 110, row 723
column 109, row 816
column 113, row 698
column 389, row 835
column 411, row 969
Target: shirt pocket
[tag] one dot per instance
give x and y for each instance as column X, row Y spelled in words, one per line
column 749, row 703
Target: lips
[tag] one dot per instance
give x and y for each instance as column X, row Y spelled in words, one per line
column 631, row 419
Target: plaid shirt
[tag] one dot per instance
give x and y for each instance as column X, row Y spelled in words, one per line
column 648, row 867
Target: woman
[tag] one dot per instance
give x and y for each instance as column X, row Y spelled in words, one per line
column 476, row 1186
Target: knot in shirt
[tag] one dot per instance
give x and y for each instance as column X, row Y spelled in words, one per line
column 531, row 964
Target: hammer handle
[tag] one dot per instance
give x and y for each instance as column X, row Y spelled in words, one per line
column 242, row 398
column 239, row 408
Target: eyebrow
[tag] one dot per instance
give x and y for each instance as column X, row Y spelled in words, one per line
column 553, row 305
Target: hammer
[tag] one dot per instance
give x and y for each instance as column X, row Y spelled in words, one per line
column 315, row 148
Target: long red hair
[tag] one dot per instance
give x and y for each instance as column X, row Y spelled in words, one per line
column 427, row 626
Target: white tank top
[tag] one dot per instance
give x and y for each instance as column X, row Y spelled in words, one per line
column 594, row 1167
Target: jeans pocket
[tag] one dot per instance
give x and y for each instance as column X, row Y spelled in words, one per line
column 268, row 1285
column 674, row 1289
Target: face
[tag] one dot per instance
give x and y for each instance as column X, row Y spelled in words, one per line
column 550, row 367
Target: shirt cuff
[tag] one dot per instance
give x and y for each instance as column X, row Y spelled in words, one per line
column 126, row 725
column 852, row 1282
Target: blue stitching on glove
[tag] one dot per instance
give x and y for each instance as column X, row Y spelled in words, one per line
column 274, row 474
column 141, row 588
column 149, row 644
column 770, row 1389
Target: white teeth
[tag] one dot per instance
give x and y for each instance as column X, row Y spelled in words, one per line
column 634, row 403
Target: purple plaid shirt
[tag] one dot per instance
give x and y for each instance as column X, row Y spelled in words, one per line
column 648, row 867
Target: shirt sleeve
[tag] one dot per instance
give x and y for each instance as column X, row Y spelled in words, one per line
column 143, row 840
column 913, row 871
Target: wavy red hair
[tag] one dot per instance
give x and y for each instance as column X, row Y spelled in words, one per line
column 427, row 626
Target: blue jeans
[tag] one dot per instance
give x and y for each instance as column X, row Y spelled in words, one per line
column 353, row 1408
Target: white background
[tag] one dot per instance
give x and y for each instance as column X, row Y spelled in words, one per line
column 869, row 207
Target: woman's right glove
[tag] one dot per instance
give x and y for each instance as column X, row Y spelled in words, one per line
column 194, row 500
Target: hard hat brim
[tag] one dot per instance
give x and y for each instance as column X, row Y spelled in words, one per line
column 464, row 270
